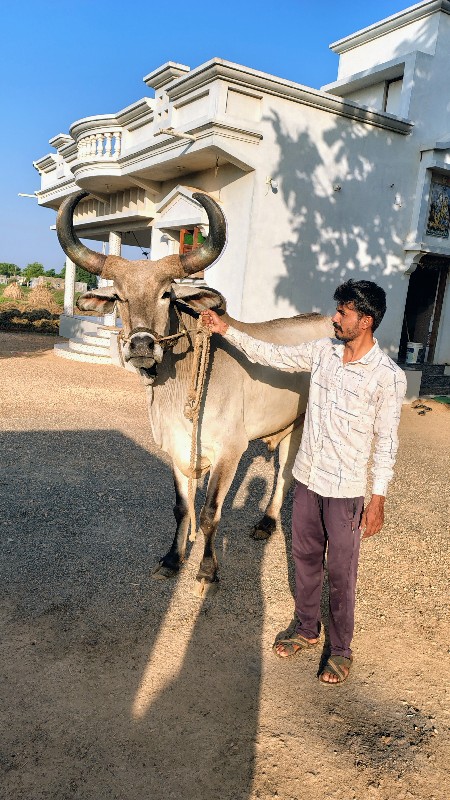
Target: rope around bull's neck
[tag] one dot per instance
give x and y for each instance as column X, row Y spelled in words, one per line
column 192, row 410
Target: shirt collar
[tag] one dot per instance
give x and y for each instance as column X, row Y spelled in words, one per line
column 338, row 348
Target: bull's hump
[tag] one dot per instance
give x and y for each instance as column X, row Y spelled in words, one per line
column 289, row 330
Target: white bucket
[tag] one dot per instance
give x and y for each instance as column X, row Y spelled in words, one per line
column 413, row 352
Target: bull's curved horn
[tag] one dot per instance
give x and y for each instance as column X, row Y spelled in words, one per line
column 203, row 256
column 81, row 255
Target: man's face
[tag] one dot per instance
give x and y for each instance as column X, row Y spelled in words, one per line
column 348, row 324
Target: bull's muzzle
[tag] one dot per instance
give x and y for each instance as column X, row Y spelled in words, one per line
column 143, row 352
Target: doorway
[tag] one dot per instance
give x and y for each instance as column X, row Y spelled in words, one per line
column 424, row 306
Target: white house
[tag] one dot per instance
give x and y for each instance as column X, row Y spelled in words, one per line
column 317, row 186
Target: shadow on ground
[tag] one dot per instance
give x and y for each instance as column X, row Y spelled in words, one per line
column 105, row 692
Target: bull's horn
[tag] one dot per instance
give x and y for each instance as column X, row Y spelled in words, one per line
column 81, row 255
column 203, row 256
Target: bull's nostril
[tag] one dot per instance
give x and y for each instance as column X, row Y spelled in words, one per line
column 141, row 346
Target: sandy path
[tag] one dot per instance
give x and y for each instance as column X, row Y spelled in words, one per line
column 117, row 686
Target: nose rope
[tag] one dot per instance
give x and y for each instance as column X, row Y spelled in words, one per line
column 192, row 410
column 166, row 342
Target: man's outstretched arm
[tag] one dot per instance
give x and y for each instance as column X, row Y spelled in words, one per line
column 291, row 358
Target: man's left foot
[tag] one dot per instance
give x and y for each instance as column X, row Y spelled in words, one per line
column 336, row 670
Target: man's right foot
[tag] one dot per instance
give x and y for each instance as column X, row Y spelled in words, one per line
column 292, row 645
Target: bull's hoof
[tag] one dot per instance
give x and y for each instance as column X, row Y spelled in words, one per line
column 202, row 587
column 264, row 529
column 163, row 571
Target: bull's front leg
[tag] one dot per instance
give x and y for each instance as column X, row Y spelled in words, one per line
column 170, row 564
column 220, row 480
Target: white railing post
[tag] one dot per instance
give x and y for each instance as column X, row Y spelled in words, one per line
column 108, row 144
column 69, row 287
column 99, row 138
column 118, row 145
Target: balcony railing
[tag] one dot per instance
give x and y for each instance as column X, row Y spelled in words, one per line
column 100, row 146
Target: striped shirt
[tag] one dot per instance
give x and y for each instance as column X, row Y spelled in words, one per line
column 350, row 406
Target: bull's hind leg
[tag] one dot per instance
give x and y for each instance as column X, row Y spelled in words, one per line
column 287, row 451
column 220, row 480
column 172, row 561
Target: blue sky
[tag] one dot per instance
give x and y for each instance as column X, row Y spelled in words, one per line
column 63, row 61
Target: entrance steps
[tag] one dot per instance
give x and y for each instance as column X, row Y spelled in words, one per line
column 92, row 347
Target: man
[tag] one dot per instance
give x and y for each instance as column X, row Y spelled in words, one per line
column 355, row 397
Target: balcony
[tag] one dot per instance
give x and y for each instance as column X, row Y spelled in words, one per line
column 102, row 145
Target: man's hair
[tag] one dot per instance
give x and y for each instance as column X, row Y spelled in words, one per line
column 367, row 297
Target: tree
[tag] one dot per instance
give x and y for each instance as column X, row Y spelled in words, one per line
column 50, row 273
column 33, row 270
column 82, row 275
column 9, row 269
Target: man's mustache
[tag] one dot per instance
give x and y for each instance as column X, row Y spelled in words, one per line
column 337, row 327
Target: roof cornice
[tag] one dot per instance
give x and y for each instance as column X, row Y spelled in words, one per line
column 88, row 124
column 247, row 78
column 164, row 74
column 45, row 164
column 389, row 24
column 139, row 113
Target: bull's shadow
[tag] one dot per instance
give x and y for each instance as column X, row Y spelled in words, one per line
column 85, row 517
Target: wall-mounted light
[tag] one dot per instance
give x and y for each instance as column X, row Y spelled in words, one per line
column 272, row 184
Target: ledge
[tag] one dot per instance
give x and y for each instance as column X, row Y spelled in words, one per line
column 388, row 71
column 235, row 74
column 389, row 24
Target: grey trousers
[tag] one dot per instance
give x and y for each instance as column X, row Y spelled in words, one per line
column 319, row 523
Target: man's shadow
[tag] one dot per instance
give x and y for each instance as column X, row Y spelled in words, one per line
column 203, row 725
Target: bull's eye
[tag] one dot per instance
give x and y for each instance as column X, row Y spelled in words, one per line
column 165, row 296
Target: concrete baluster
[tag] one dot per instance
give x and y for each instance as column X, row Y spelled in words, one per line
column 108, row 144
column 118, row 146
column 99, row 138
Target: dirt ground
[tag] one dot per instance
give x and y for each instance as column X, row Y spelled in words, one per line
column 118, row 686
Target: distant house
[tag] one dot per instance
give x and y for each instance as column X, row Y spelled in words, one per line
column 3, row 279
column 45, row 280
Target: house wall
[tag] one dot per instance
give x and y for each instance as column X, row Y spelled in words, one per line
column 306, row 238
column 418, row 35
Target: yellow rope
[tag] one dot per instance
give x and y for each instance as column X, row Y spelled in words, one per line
column 192, row 410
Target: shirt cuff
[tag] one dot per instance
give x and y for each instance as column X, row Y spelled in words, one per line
column 231, row 332
column 380, row 487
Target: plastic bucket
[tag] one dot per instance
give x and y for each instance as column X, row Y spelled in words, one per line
column 414, row 351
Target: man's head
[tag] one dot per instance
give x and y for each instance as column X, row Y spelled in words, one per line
column 360, row 307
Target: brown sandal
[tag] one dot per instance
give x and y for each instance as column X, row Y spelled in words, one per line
column 334, row 667
column 293, row 645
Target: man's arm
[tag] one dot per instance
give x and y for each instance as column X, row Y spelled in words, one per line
column 386, row 423
column 291, row 358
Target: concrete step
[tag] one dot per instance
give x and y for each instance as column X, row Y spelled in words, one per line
column 80, row 345
column 105, row 330
column 94, row 338
column 63, row 350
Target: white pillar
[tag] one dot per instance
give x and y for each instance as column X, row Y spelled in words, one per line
column 114, row 249
column 69, row 287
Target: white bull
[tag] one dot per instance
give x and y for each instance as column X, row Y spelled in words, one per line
column 241, row 402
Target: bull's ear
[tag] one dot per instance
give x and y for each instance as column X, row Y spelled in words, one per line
column 195, row 299
column 100, row 300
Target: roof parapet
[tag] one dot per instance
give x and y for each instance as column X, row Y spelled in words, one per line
column 399, row 20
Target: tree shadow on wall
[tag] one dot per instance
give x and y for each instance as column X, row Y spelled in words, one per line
column 326, row 246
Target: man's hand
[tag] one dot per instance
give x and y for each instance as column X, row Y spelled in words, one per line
column 213, row 322
column 373, row 517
